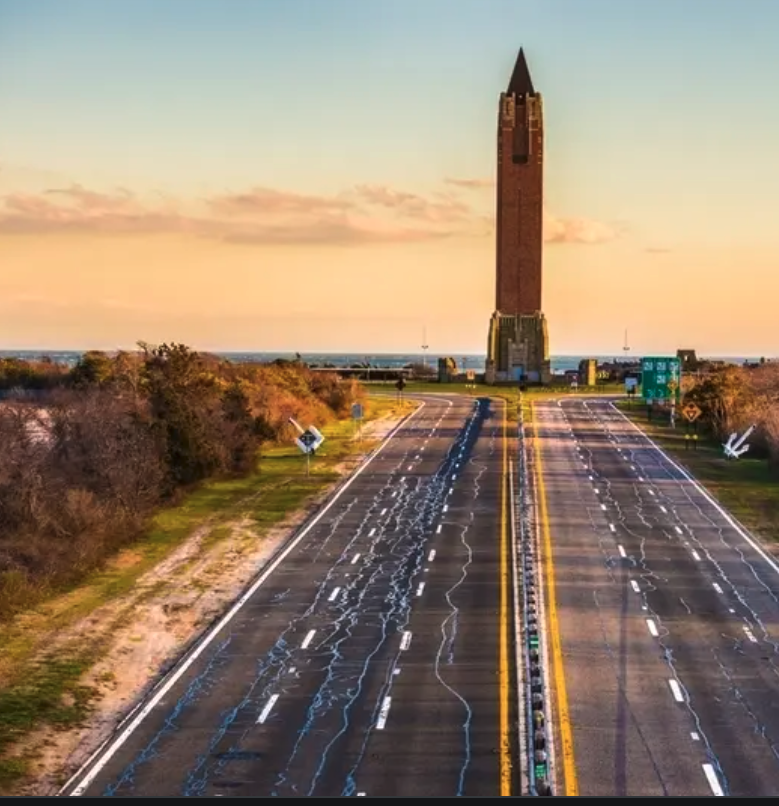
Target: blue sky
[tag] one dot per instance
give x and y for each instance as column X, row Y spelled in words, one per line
column 661, row 117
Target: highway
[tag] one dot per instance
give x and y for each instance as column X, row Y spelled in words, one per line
column 667, row 617
column 370, row 658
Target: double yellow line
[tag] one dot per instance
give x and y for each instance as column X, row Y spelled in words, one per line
column 504, row 676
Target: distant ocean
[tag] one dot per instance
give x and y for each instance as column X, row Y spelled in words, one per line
column 560, row 363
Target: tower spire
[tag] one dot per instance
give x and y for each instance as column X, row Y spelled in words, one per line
column 521, row 83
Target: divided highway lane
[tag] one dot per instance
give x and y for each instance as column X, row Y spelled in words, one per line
column 668, row 615
column 368, row 652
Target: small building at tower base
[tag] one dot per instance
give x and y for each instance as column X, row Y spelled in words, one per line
column 518, row 349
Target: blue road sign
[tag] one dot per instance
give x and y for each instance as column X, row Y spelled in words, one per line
column 357, row 411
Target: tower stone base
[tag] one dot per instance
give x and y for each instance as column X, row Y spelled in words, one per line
column 518, row 349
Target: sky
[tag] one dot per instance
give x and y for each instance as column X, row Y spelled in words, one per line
column 318, row 175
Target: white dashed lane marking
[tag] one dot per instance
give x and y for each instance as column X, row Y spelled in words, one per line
column 711, row 777
column 265, row 713
column 384, row 713
column 308, row 639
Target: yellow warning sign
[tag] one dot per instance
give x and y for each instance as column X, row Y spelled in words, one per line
column 691, row 412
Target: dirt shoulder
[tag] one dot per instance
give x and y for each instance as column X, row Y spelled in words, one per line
column 80, row 663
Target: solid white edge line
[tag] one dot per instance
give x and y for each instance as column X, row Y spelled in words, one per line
column 108, row 749
column 741, row 530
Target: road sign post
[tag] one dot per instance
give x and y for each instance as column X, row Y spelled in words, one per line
column 630, row 390
column 691, row 412
column 661, row 379
column 308, row 441
column 661, row 382
column 357, row 416
column 400, row 386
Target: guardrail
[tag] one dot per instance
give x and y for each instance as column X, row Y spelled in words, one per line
column 537, row 728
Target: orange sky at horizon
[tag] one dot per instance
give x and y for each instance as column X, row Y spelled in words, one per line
column 78, row 290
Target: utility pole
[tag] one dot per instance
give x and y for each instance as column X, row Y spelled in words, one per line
column 425, row 345
column 626, row 347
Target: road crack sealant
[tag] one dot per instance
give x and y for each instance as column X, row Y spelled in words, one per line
column 379, row 594
column 651, row 580
column 723, row 581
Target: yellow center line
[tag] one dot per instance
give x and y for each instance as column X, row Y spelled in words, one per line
column 563, row 713
column 503, row 665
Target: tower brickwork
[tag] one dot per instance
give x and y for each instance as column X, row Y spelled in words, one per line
column 518, row 342
column 520, row 195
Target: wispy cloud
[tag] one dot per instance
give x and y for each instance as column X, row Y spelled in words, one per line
column 576, row 230
column 470, row 184
column 361, row 215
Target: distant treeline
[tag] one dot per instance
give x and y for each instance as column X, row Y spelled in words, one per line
column 90, row 452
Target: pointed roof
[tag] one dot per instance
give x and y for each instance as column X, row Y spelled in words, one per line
column 521, row 83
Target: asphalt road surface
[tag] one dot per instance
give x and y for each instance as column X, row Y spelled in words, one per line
column 668, row 619
column 366, row 663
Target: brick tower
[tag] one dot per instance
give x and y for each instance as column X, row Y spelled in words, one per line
column 520, row 195
column 518, row 341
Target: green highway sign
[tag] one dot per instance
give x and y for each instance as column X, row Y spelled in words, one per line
column 661, row 379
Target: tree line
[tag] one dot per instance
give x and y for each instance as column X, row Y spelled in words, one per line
column 732, row 398
column 90, row 452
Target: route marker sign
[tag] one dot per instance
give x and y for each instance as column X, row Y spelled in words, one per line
column 691, row 412
column 661, row 379
column 309, row 440
column 357, row 411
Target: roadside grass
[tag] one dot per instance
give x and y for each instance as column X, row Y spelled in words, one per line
column 745, row 487
column 40, row 688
